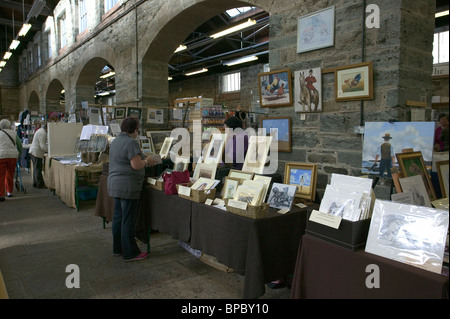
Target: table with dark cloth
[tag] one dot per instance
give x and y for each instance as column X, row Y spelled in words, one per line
column 325, row 270
column 262, row 249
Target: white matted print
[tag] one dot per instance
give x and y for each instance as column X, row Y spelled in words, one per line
column 416, row 186
column 308, row 90
column 282, row 195
column 410, row 234
column 315, row 30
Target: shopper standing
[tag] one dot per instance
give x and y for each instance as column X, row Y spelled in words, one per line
column 37, row 151
column 10, row 148
column 125, row 181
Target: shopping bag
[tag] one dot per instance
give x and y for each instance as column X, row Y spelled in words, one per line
column 172, row 179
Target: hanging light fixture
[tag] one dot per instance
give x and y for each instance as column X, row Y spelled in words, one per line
column 25, row 28
column 238, row 27
column 14, row 44
column 7, row 55
column 180, row 48
column 197, row 72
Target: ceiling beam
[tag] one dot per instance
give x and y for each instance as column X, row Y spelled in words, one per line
column 18, row 6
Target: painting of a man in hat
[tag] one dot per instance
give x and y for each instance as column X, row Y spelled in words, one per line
column 386, row 155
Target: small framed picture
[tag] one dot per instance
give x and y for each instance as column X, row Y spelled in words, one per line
column 412, row 164
column 442, row 168
column 315, row 30
column 304, row 176
column 164, row 152
column 206, row 170
column 280, row 129
column 354, row 82
column 230, row 186
column 134, row 111
column 415, row 185
column 282, row 196
column 119, row 113
column 234, row 173
column 275, row 88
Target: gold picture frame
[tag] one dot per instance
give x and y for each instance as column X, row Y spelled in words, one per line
column 354, row 82
column 304, row 176
column 442, row 169
column 275, row 88
column 283, row 135
column 412, row 164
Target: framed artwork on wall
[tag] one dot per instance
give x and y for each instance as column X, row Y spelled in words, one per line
column 315, row 30
column 304, row 176
column 280, row 129
column 275, row 88
column 119, row 113
column 354, row 82
column 412, row 164
column 134, row 111
column 308, row 90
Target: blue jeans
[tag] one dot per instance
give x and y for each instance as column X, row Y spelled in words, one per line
column 124, row 227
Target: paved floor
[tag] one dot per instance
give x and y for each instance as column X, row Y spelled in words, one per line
column 40, row 236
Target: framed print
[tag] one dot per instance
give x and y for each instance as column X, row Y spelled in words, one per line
column 257, row 152
column 282, row 196
column 229, row 187
column 304, row 176
column 134, row 111
column 275, row 88
column 242, row 175
column 157, row 138
column 410, row 234
column 442, row 168
column 215, row 149
column 354, row 82
column 412, row 164
column 164, row 152
column 315, row 30
column 247, row 194
column 415, row 185
column 119, row 113
column 308, row 90
column 206, row 170
column 266, row 180
column 281, row 128
column 181, row 163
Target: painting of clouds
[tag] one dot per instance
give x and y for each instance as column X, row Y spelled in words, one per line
column 405, row 135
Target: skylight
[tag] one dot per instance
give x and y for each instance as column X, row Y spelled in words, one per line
column 237, row 11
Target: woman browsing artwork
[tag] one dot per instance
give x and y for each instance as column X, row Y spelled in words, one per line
column 125, row 180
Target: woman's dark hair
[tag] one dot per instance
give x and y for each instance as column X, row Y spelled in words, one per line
column 233, row 122
column 129, row 125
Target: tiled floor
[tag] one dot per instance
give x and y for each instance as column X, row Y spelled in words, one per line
column 40, row 236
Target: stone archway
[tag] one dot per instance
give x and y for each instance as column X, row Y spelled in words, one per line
column 154, row 83
column 53, row 100
column 33, row 102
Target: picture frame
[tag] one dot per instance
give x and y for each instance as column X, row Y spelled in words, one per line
column 266, row 180
column 134, row 111
column 443, row 176
column 275, row 88
column 354, row 82
column 304, row 176
column 315, row 30
column 257, row 153
column 119, row 113
column 230, row 187
column 206, row 170
column 164, row 152
column 282, row 196
column 157, row 138
column 308, row 90
column 215, row 149
column 416, row 186
column 282, row 128
column 249, row 195
column 412, row 164
column 242, row 175
column 181, row 163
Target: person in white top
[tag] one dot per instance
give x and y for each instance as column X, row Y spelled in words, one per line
column 10, row 148
column 37, row 151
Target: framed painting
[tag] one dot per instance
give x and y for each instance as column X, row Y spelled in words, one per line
column 134, row 111
column 157, row 138
column 412, row 164
column 315, row 30
column 304, row 176
column 241, row 175
column 206, row 170
column 442, row 169
column 119, row 113
column 354, row 82
column 280, row 129
column 164, row 152
column 308, row 90
column 257, row 153
column 215, row 149
column 275, row 88
column 229, row 187
column 282, row 196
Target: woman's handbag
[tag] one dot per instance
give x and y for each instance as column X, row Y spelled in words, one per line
column 172, row 179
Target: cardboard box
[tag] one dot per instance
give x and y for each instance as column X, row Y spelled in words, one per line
column 351, row 235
